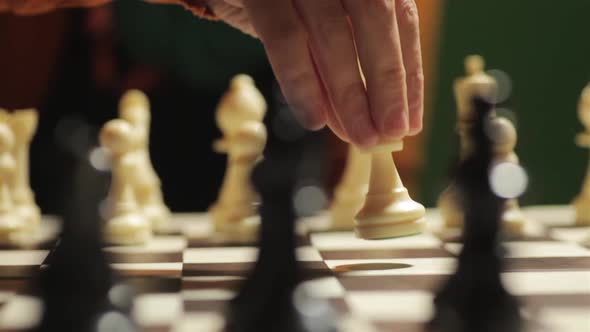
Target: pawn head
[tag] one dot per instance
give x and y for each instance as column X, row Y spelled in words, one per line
column 24, row 123
column 134, row 107
column 503, row 135
column 118, row 136
column 4, row 115
column 474, row 64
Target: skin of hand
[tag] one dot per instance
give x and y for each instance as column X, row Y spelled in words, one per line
column 315, row 48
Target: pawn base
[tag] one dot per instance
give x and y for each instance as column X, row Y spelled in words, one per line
column 450, row 211
column 342, row 213
column 241, row 231
column 139, row 238
column 128, row 230
column 12, row 239
column 341, row 223
column 12, row 229
column 222, row 213
column 378, row 231
column 513, row 221
column 31, row 214
column 401, row 217
column 582, row 207
column 159, row 217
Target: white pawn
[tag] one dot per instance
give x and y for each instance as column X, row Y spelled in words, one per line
column 350, row 193
column 582, row 201
column 239, row 116
column 134, row 107
column 24, row 124
column 11, row 225
column 504, row 138
column 388, row 210
column 125, row 224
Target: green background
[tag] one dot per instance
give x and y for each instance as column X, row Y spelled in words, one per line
column 544, row 47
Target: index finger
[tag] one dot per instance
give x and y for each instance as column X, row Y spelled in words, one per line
column 286, row 43
column 409, row 33
column 380, row 54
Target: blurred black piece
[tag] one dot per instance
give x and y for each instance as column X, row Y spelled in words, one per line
column 265, row 300
column 474, row 298
column 77, row 286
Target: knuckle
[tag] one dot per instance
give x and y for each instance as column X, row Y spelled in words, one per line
column 397, row 107
column 282, row 35
column 298, row 79
column 415, row 87
column 395, row 74
column 328, row 29
column 382, row 12
column 415, row 103
column 350, row 96
column 415, row 79
column 408, row 11
column 381, row 5
column 392, row 104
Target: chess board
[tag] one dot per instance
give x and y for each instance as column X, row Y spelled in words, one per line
column 184, row 281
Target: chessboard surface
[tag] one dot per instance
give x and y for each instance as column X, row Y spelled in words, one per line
column 183, row 282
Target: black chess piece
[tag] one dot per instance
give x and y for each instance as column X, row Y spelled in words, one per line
column 78, row 288
column 474, row 299
column 265, row 300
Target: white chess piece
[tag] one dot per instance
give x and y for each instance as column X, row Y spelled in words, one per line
column 504, row 138
column 134, row 107
column 239, row 116
column 350, row 193
column 388, row 210
column 24, row 124
column 582, row 201
column 10, row 222
column 475, row 83
column 125, row 224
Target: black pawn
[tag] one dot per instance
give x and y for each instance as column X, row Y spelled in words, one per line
column 77, row 281
column 474, row 298
column 265, row 300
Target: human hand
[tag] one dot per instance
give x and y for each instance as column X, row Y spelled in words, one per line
column 313, row 46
